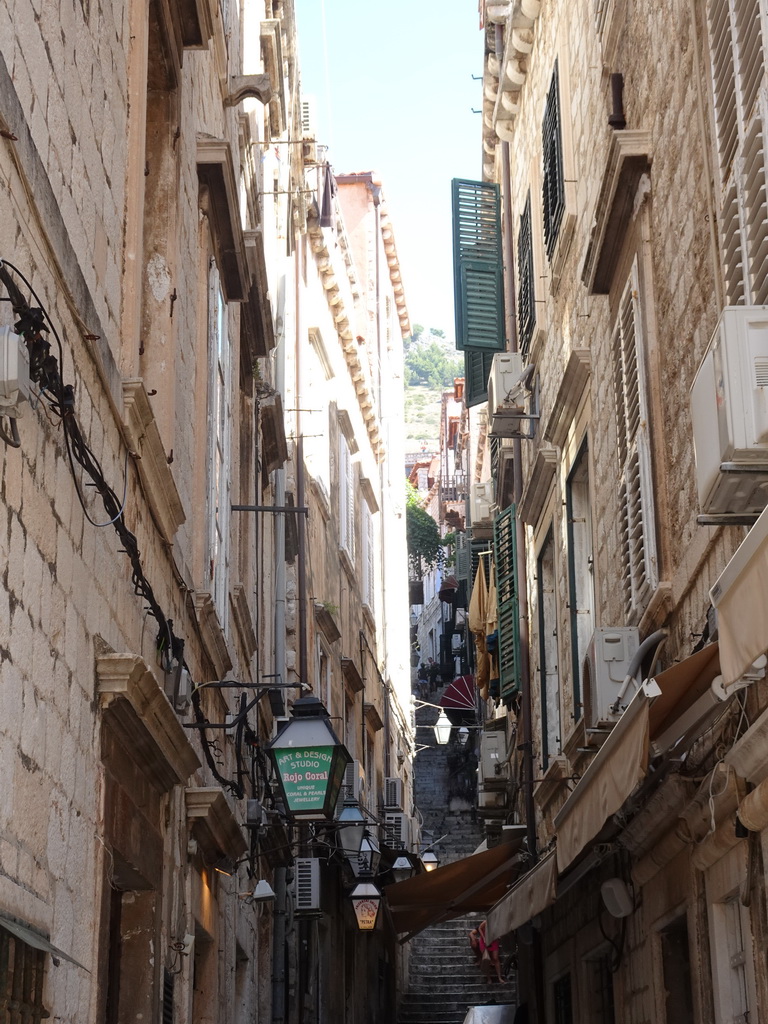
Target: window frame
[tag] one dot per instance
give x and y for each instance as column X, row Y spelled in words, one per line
column 546, row 623
column 579, row 637
column 346, row 498
column 553, row 173
column 220, row 418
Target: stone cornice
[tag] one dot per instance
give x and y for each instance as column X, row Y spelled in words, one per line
column 141, row 714
column 213, row 824
column 568, row 396
column 212, row 634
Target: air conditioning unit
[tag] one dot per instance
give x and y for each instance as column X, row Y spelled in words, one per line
column 481, row 502
column 393, row 794
column 506, row 394
column 605, row 667
column 729, row 410
column 493, row 749
column 306, row 886
column 397, row 830
column 353, row 786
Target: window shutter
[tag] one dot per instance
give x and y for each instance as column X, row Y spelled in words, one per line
column 505, row 558
column 477, row 266
column 526, row 298
column 636, row 521
column 553, row 191
column 477, row 369
column 368, row 560
column 346, row 498
column 738, row 67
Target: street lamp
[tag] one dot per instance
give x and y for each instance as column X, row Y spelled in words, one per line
column 351, row 829
column 402, row 868
column 366, row 863
column 429, row 860
column 309, row 761
column 365, row 900
column 443, row 728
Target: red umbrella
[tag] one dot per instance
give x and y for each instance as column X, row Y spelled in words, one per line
column 460, row 694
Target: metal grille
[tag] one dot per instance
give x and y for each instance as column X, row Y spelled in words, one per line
column 168, row 980
column 553, row 192
column 526, row 299
column 22, row 971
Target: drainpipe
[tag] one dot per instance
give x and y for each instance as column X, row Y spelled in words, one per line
column 281, row 890
column 376, row 192
column 526, row 705
column 301, row 590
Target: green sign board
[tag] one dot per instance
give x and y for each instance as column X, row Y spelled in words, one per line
column 306, row 775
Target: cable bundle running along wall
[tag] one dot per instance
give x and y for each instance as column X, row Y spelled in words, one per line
column 45, row 371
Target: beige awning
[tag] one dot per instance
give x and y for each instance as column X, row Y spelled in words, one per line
column 533, row 893
column 617, row 768
column 466, row 886
column 681, row 686
column 741, row 599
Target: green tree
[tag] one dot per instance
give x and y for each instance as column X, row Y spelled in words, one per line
column 423, row 536
column 429, row 359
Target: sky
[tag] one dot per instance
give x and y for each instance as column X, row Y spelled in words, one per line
column 394, row 91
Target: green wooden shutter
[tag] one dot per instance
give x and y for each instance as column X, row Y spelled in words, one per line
column 477, row 266
column 477, row 369
column 505, row 557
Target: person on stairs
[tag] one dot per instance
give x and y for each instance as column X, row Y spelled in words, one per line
column 486, row 955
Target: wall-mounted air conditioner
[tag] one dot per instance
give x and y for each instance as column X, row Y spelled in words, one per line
column 605, row 667
column 506, row 394
column 729, row 410
column 481, row 502
column 393, row 794
column 306, row 886
column 493, row 766
column 397, row 830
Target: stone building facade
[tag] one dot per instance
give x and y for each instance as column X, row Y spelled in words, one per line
column 624, row 167
column 164, row 528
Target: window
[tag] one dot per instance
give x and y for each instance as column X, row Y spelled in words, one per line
column 599, row 986
column 562, row 1000
column 581, row 582
column 731, row 948
column 553, row 191
column 550, row 686
column 636, row 518
column 738, row 67
column 346, row 499
column 368, row 551
column 676, row 965
column 526, row 296
column 22, row 973
column 220, row 426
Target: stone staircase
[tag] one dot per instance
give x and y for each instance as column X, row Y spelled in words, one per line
column 444, row 979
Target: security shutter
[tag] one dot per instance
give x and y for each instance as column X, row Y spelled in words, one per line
column 505, row 557
column 477, row 266
column 553, row 191
column 636, row 522
column 737, row 56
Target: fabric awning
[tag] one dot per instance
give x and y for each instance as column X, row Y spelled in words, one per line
column 740, row 596
column 36, row 940
column 682, row 685
column 468, row 885
column 533, row 893
column 618, row 766
column 460, row 694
